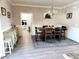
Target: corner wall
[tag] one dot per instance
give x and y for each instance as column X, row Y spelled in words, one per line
column 72, row 24
column 5, row 24
column 5, row 21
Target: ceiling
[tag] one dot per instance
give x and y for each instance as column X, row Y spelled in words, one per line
column 56, row 3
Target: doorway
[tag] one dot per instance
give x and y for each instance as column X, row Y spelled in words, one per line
column 26, row 21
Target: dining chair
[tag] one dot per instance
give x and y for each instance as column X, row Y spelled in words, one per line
column 45, row 26
column 8, row 45
column 57, row 32
column 52, row 25
column 53, row 33
column 48, row 33
column 63, row 30
column 38, row 34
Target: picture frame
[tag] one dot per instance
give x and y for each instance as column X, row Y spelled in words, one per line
column 8, row 14
column 3, row 11
column 69, row 16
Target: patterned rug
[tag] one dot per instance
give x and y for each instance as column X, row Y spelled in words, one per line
column 54, row 43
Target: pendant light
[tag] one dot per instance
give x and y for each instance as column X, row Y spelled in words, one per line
column 50, row 13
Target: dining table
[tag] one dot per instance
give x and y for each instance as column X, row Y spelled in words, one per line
column 43, row 31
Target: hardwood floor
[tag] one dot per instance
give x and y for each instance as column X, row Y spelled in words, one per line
column 25, row 49
column 25, row 37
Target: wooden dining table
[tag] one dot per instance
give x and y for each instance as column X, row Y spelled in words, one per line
column 43, row 31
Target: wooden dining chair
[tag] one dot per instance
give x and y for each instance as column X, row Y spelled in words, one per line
column 63, row 30
column 53, row 33
column 38, row 34
column 52, row 25
column 45, row 26
column 48, row 33
column 57, row 32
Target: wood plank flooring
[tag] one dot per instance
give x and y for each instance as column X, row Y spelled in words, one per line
column 26, row 50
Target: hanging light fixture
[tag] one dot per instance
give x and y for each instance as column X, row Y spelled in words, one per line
column 50, row 13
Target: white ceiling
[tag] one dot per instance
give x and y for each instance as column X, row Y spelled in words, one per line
column 56, row 3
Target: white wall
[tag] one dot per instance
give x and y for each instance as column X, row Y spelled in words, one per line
column 59, row 18
column 5, row 24
column 5, row 21
column 69, row 22
column 73, row 33
column 72, row 24
column 2, row 51
column 38, row 15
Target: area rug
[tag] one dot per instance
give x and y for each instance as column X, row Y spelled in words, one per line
column 54, row 43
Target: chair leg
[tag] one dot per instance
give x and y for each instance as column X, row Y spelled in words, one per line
column 35, row 37
column 59, row 36
column 45, row 38
column 64, row 35
column 54, row 36
column 51, row 36
column 9, row 46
